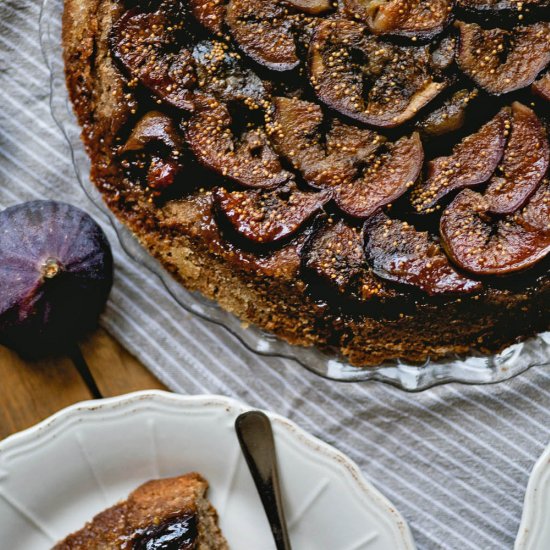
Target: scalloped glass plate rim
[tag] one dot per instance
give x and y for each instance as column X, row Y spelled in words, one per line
column 472, row 369
column 298, row 452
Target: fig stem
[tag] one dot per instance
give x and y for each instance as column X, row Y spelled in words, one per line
column 84, row 370
column 51, row 268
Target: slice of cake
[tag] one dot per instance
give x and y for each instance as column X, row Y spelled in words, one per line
column 168, row 514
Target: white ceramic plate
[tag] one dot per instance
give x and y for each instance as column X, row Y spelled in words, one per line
column 534, row 531
column 56, row 476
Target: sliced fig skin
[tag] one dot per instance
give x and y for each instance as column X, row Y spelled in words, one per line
column 541, row 87
column 269, row 216
column 386, row 179
column 420, row 19
column 525, row 162
column 502, row 61
column 268, row 31
column 472, row 162
column 449, row 117
column 486, row 246
column 399, row 253
column 209, row 13
column 149, row 53
column 334, row 255
column 343, row 57
column 247, row 159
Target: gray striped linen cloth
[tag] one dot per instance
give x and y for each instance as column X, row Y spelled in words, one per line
column 455, row 459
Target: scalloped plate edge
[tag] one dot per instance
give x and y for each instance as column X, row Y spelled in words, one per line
column 534, row 529
column 46, row 429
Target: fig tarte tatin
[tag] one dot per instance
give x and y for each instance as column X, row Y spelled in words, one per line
column 368, row 177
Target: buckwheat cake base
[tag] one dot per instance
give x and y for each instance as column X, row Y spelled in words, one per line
column 266, row 289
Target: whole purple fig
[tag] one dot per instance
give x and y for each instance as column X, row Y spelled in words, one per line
column 56, row 272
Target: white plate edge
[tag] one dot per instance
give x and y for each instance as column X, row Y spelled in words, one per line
column 532, row 504
column 346, row 465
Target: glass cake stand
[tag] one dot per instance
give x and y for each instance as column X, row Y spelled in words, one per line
column 472, row 369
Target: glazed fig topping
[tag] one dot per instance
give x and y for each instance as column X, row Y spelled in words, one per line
column 500, row 60
column 449, row 117
column 364, row 173
column 314, row 7
column 524, row 164
column 153, row 128
column 542, row 87
column 209, row 13
column 155, row 144
column 371, row 81
column 387, row 176
column 481, row 244
column 269, row 216
column 268, row 31
column 146, row 45
column 174, row 534
column 536, row 214
column 472, row 162
column 221, row 73
column 411, row 18
column 335, row 254
column 398, row 252
column 324, row 160
column 247, row 159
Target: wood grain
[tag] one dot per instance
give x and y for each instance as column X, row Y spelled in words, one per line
column 115, row 370
column 32, row 391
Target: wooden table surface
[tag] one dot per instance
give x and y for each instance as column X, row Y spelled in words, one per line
column 32, row 391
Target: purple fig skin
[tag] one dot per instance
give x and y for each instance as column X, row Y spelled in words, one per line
column 56, row 273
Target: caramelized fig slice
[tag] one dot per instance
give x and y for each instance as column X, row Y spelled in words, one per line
column 335, row 254
column 398, row 252
column 484, row 245
column 500, row 60
column 472, row 162
column 374, row 82
column 313, row 7
column 323, row 160
column 536, row 214
column 268, row 31
column 392, row 171
column 269, row 216
column 542, row 87
column 146, row 45
column 247, row 159
column 411, row 18
column 364, row 173
column 155, row 133
column 221, row 73
column 449, row 117
column 209, row 13
column 524, row 164
column 153, row 127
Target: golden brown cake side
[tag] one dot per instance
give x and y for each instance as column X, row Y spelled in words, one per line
column 180, row 234
column 155, row 508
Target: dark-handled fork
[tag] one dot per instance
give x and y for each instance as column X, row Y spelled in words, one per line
column 256, row 440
